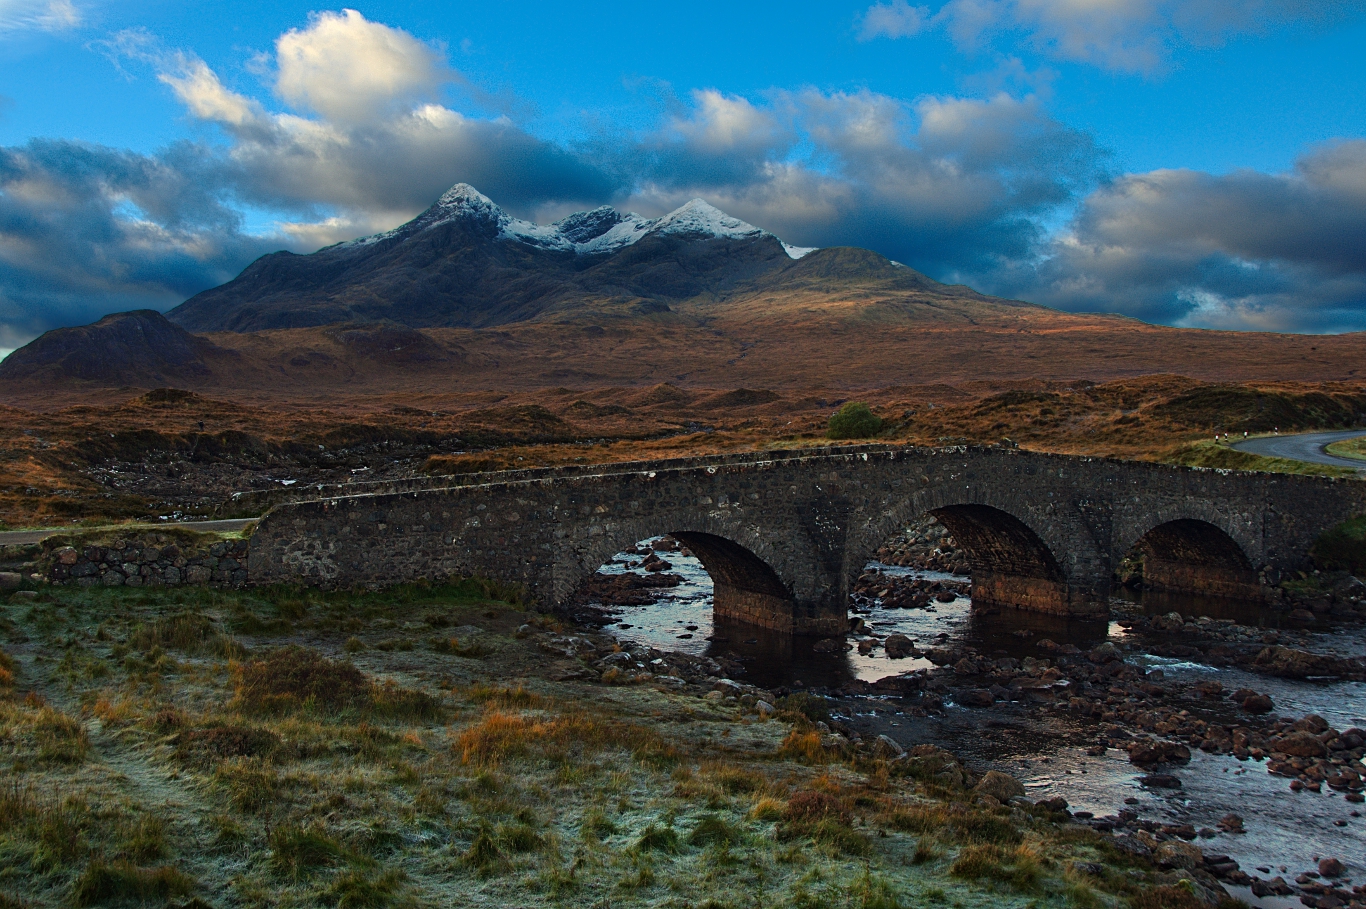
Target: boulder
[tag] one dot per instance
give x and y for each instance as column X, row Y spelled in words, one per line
column 1150, row 752
column 1300, row 744
column 1175, row 854
column 1331, row 867
column 975, row 697
column 1295, row 664
column 1172, row 621
column 1257, row 703
column 10, row 580
column 1001, row 786
column 885, row 746
column 898, row 646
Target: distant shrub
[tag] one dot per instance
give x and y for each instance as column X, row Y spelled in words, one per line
column 854, row 421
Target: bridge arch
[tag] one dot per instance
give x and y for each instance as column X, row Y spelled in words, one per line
column 1188, row 555
column 1013, row 545
column 756, row 575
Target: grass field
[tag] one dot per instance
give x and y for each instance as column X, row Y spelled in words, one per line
column 1349, row 448
column 413, row 747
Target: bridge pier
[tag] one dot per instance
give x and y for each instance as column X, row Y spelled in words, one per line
column 1035, row 594
column 746, row 589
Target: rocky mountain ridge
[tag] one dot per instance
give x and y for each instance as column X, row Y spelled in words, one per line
column 466, row 263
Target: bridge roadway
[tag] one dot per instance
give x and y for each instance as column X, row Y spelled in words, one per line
column 784, row 535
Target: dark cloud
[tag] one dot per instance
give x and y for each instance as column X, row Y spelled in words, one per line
column 86, row 230
column 1243, row 250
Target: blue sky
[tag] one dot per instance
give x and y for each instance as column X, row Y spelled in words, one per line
column 1196, row 163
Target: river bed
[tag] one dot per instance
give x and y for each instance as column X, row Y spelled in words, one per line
column 1287, row 832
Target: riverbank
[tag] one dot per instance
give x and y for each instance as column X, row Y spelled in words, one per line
column 442, row 746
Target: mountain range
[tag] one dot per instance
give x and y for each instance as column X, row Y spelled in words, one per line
column 465, row 299
column 466, row 263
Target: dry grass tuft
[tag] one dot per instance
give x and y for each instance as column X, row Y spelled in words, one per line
column 223, row 742
column 500, row 735
column 805, row 746
column 8, row 668
column 825, row 819
column 1020, row 867
column 190, row 632
column 294, row 676
column 506, row 698
column 115, row 882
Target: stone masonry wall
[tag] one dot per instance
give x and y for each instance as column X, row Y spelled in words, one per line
column 150, row 560
column 813, row 516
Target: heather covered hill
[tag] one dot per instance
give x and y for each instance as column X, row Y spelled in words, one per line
column 126, row 348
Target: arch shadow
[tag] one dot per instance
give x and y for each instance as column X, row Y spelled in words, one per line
column 1011, row 565
column 746, row 588
column 1191, row 556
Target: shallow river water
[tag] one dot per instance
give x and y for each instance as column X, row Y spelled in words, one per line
column 1287, row 832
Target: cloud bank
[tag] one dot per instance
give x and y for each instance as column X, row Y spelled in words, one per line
column 990, row 191
column 1130, row 36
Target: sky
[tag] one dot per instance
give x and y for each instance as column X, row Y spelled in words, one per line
column 1197, row 163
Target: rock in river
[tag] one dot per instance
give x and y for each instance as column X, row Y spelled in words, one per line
column 1001, row 786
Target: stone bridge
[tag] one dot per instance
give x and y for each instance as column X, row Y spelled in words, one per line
column 784, row 535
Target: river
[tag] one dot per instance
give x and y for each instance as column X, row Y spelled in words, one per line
column 1287, row 832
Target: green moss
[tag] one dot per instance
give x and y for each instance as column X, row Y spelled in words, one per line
column 1215, row 455
column 1342, row 548
column 1349, row 448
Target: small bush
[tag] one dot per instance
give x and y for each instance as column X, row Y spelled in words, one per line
column 597, row 825
column 143, row 839
column 506, row 698
column 297, row 850
column 61, row 739
column 1020, row 867
column 484, row 854
column 1177, row 897
column 358, row 890
column 658, row 839
column 811, row 806
column 104, row 882
column 202, row 746
column 853, row 421
column 293, row 676
column 499, row 735
column 392, row 701
column 767, row 809
column 805, row 746
column 713, row 830
column 521, row 838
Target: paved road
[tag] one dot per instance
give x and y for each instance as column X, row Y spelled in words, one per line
column 22, row 537
column 1303, row 446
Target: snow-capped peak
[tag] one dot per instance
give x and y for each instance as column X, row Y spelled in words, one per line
column 601, row 231
column 702, row 218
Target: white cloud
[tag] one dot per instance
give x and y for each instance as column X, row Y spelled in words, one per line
column 351, row 70
column 38, row 15
column 897, row 19
column 1135, row 36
